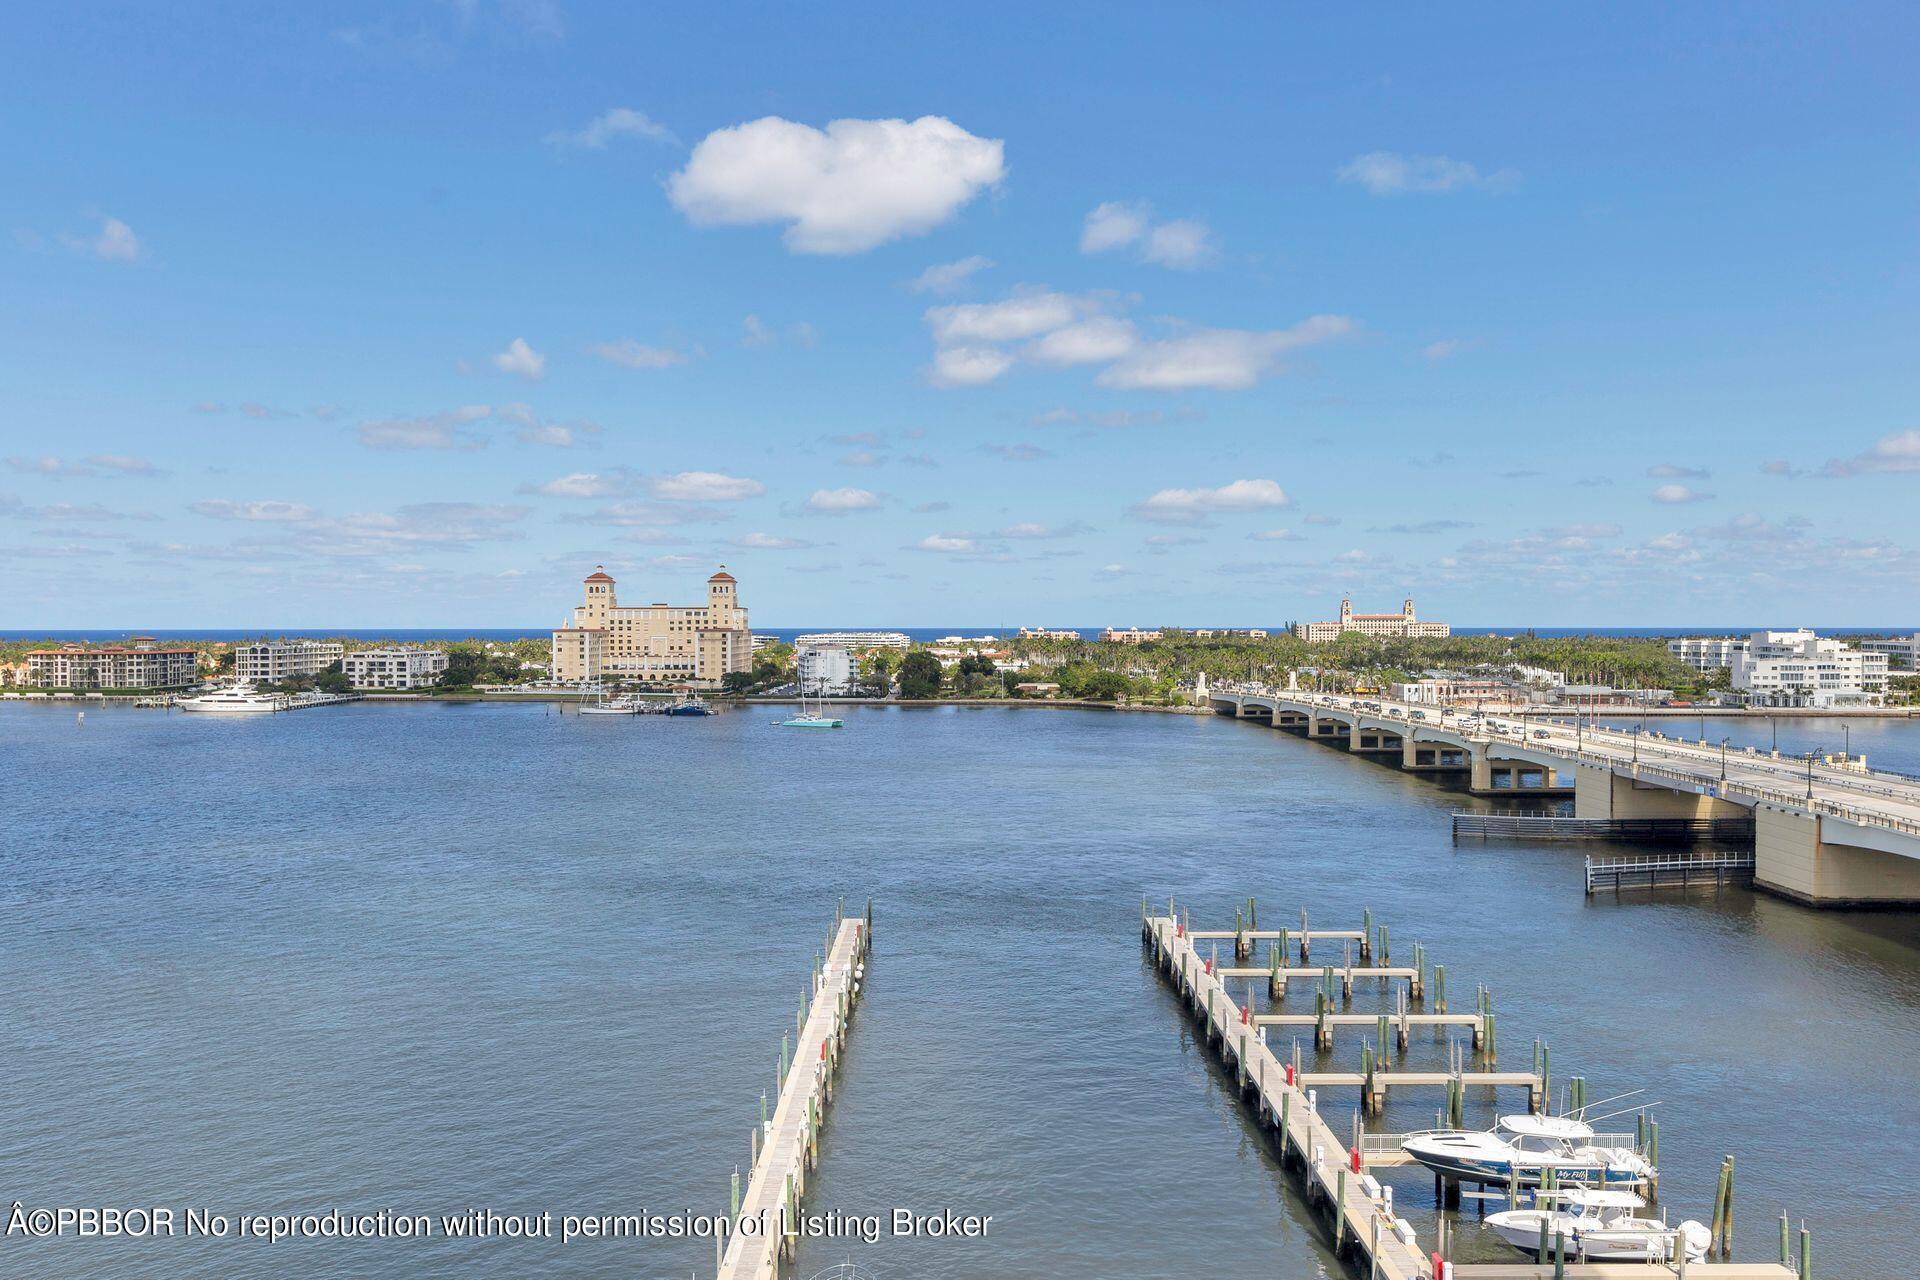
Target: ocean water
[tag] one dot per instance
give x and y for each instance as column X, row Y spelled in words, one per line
column 430, row 959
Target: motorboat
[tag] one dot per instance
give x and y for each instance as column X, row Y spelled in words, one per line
column 238, row 699
column 1522, row 1147
column 1598, row 1224
column 691, row 707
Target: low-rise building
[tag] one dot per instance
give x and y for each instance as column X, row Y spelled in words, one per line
column 1705, row 653
column 140, row 664
column 1037, row 689
column 1045, row 633
column 1902, row 652
column 825, row 670
column 271, row 661
column 1402, row 625
column 1802, row 669
column 851, row 640
column 1210, row 633
column 395, row 667
column 1128, row 635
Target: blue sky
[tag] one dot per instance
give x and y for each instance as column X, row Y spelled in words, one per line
column 410, row 314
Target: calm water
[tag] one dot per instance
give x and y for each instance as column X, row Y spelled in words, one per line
column 435, row 958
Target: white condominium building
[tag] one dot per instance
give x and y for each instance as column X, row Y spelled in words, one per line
column 270, row 662
column 1401, row 625
column 1047, row 633
column 825, row 670
column 1801, row 669
column 1902, row 652
column 1705, row 653
column 854, row 640
column 394, row 668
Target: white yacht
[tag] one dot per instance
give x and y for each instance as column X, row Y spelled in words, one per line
column 237, row 699
column 1521, row 1147
column 1599, row 1225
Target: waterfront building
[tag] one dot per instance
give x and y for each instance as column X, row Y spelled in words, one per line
column 654, row 643
column 1210, row 633
column 825, row 670
column 1044, row 633
column 1402, row 625
column 1705, row 653
column 852, row 640
column 140, row 664
column 1128, row 635
column 15, row 673
column 1046, row 688
column 1902, row 652
column 271, row 661
column 396, row 667
column 1801, row 669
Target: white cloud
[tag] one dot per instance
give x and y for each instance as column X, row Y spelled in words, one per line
column 122, row 463
column 967, row 366
column 704, row 486
column 770, row 542
column 1387, row 173
column 113, row 242
column 631, row 354
column 432, row 431
column 582, row 484
column 1096, row 340
column 1184, row 506
column 1674, row 494
column 1673, row 471
column 951, row 544
column 840, row 501
column 1898, row 453
column 855, row 185
column 1025, row 315
column 1274, row 535
column 265, row 510
column 619, row 122
column 1034, row 529
column 1186, row 242
column 520, row 360
column 1113, row 225
column 1441, row 350
column 947, row 276
column 756, row 333
column 1221, row 359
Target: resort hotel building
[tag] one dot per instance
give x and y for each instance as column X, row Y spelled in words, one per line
column 1402, row 625
column 654, row 643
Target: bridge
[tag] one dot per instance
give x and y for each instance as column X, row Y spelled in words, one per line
column 1825, row 833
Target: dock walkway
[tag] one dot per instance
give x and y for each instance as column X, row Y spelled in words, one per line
column 791, row 1145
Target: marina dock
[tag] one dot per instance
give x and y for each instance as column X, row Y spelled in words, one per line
column 1287, row 1103
column 786, row 1145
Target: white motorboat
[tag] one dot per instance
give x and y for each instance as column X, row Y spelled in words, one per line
column 1520, row 1148
column 239, row 699
column 1598, row 1224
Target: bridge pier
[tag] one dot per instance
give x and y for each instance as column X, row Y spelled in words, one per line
column 1599, row 792
column 1797, row 856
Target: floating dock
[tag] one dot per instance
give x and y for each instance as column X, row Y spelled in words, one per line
column 786, row 1145
column 1286, row 1104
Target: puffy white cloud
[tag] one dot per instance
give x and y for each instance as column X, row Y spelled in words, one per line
column 618, row 122
column 845, row 189
column 841, row 501
column 948, row 543
column 1113, row 225
column 1220, row 359
column 631, row 354
column 1387, row 173
column 1184, row 506
column 266, row 510
column 704, row 486
column 1674, row 494
column 967, row 366
column 947, row 276
column 1185, row 242
column 520, row 360
column 1025, row 315
column 1095, row 340
column 1897, row 453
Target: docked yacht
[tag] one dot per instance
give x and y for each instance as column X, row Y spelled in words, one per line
column 238, row 699
column 1599, row 1225
column 1520, row 1148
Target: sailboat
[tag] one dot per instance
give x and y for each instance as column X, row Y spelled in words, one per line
column 596, row 703
column 815, row 719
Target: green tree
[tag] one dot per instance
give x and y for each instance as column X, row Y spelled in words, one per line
column 1105, row 686
column 920, row 675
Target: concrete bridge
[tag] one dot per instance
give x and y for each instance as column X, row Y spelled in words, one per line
column 1828, row 835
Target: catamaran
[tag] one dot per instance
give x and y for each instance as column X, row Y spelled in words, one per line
column 1520, row 1148
column 815, row 719
column 1599, row 1224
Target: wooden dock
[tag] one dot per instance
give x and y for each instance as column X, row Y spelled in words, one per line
column 787, row 1145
